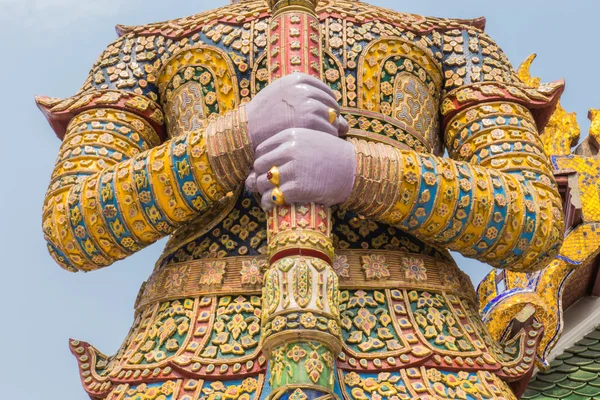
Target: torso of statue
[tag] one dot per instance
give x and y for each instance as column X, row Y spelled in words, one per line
column 386, row 77
column 409, row 316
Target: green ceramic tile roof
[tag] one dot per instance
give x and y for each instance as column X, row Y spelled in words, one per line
column 574, row 375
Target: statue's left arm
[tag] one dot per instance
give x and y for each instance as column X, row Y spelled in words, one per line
column 496, row 199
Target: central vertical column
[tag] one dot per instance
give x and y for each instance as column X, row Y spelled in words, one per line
column 301, row 326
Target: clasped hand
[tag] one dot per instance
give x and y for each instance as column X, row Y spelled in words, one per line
column 290, row 128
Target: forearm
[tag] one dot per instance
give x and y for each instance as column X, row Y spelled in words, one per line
column 129, row 204
column 502, row 207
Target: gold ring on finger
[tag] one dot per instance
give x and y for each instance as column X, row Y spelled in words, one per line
column 332, row 115
column 277, row 196
column 273, row 176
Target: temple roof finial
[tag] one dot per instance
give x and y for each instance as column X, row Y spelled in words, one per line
column 276, row 5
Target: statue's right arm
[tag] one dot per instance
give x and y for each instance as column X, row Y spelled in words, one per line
column 117, row 187
column 128, row 190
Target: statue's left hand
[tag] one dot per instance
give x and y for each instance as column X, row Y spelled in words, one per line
column 314, row 167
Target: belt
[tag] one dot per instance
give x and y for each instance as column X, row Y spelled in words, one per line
column 356, row 269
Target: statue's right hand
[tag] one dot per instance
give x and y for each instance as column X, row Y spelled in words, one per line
column 294, row 101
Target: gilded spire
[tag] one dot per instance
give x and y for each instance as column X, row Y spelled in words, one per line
column 277, row 6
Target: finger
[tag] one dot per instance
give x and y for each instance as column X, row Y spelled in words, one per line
column 293, row 192
column 343, row 126
column 291, row 195
column 278, row 143
column 266, row 201
column 251, row 182
column 276, row 158
column 263, row 183
column 269, row 145
column 314, row 82
column 321, row 121
column 319, row 117
column 326, row 98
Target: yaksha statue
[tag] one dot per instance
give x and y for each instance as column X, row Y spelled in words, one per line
column 294, row 152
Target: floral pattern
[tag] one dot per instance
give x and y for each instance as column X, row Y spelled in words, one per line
column 437, row 322
column 460, row 385
column 366, row 322
column 308, row 320
column 314, row 366
column 366, row 318
column 384, row 386
column 425, row 383
column 414, row 269
column 167, row 332
column 218, row 390
column 177, row 278
column 153, row 391
column 296, row 353
column 212, row 273
column 341, row 266
column 236, row 331
column 375, row 267
column 293, row 361
column 252, row 272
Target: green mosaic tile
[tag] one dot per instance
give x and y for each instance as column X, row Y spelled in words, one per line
column 576, row 349
column 595, row 382
column 555, row 377
column 571, row 385
column 590, row 354
column 587, row 342
column 567, row 369
column 578, row 361
column 595, row 367
column 564, row 356
column 595, row 334
column 588, row 390
column 558, row 393
column 583, row 376
column 529, row 394
column 574, row 375
column 576, row 397
column 540, row 386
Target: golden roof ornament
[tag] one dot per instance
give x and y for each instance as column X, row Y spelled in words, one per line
column 277, row 6
column 562, row 131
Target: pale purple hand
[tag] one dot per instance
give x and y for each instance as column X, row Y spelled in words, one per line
column 314, row 166
column 294, row 101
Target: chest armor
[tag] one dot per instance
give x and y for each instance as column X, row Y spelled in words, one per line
column 385, row 77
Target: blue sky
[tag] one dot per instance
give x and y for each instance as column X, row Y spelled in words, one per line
column 48, row 48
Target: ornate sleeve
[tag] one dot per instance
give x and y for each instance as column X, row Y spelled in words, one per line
column 117, row 185
column 495, row 199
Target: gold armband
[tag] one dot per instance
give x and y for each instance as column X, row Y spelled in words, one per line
column 228, row 147
column 377, row 179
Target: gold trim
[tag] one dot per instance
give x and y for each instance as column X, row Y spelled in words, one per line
column 155, row 290
column 383, row 119
column 332, row 342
